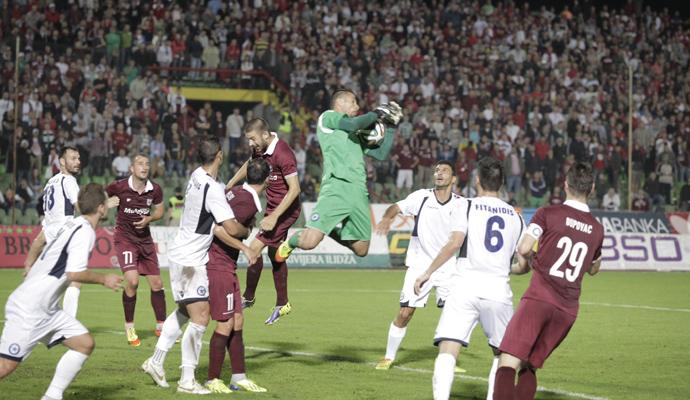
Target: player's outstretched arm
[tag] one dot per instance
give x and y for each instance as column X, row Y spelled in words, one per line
column 239, row 175
column 382, row 152
column 526, row 244
column 34, row 251
column 111, row 281
column 353, row 124
column 594, row 269
column 451, row 247
column 384, row 225
column 521, row 266
column 221, row 233
column 269, row 222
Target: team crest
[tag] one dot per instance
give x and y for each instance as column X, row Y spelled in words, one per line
column 201, row 291
column 14, row 349
column 149, row 202
column 315, row 217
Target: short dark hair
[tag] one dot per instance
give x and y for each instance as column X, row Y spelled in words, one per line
column 209, row 146
column 63, row 151
column 580, row 178
column 257, row 124
column 490, row 174
column 257, row 171
column 445, row 162
column 91, row 196
column 340, row 93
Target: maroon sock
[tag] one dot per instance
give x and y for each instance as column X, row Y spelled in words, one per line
column 236, row 351
column 504, row 386
column 253, row 275
column 526, row 385
column 158, row 304
column 280, row 281
column 216, row 355
column 129, row 303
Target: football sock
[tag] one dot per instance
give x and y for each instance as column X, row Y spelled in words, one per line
column 158, row 304
column 172, row 329
column 236, row 351
column 191, row 349
column 280, row 277
column 395, row 337
column 237, row 377
column 504, row 388
column 492, row 379
column 294, row 240
column 70, row 301
column 526, row 384
column 253, row 275
column 216, row 355
column 129, row 304
column 444, row 371
column 67, row 368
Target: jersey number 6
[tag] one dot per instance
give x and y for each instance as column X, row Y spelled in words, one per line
column 492, row 234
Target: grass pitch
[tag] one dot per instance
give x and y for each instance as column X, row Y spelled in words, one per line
column 630, row 342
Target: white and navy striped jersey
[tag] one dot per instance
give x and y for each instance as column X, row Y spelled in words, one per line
column 494, row 229
column 204, row 206
column 46, row 282
column 432, row 225
column 59, row 197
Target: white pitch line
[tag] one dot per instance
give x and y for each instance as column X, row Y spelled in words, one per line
column 407, row 369
column 653, row 308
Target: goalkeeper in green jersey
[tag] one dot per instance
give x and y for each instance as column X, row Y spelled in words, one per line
column 343, row 198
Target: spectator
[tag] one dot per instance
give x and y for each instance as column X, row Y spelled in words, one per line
column 99, row 152
column 175, row 207
column 514, row 168
column 120, row 165
column 157, row 150
column 640, row 201
column 684, row 196
column 175, row 156
column 405, row 161
column 655, row 191
column 557, row 196
column 537, row 190
column 301, row 158
column 611, row 200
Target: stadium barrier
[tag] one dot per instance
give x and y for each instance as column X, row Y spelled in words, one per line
column 633, row 241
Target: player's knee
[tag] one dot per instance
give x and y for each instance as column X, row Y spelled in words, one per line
column 7, row 367
column 156, row 285
column 405, row 315
column 361, row 251
column 133, row 284
column 85, row 345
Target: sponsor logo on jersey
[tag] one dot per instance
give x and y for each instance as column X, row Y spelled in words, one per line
column 315, row 217
column 201, row 291
column 149, row 202
column 139, row 211
column 14, row 349
column 128, row 199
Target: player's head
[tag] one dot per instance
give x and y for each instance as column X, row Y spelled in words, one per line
column 69, row 160
column 258, row 134
column 345, row 101
column 579, row 180
column 209, row 150
column 258, row 171
column 490, row 175
column 91, row 201
column 444, row 174
column 140, row 166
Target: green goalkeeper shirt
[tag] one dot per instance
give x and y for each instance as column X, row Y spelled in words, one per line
column 342, row 148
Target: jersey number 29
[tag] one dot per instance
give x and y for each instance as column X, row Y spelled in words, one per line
column 575, row 254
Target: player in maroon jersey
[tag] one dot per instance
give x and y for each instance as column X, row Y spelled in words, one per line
column 140, row 203
column 224, row 287
column 570, row 240
column 282, row 210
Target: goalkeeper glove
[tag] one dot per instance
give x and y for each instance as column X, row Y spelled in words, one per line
column 390, row 113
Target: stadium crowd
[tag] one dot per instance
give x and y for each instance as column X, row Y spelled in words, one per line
column 536, row 88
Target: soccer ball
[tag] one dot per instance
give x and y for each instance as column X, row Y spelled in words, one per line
column 374, row 135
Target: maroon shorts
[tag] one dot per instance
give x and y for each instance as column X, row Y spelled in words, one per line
column 279, row 233
column 535, row 331
column 140, row 257
column 223, row 294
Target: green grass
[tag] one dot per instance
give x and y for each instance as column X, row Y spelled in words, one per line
column 326, row 348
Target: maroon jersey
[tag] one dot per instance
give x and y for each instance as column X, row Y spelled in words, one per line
column 133, row 206
column 245, row 203
column 570, row 239
column 281, row 159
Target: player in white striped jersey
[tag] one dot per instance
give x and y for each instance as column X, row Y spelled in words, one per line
column 433, row 209
column 59, row 201
column 486, row 238
column 204, row 206
column 32, row 313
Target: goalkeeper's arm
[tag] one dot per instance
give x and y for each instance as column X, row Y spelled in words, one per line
column 382, row 151
column 353, row 124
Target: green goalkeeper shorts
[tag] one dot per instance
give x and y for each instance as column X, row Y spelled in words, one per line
column 342, row 202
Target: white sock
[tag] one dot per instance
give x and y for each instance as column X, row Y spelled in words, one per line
column 70, row 301
column 191, row 348
column 172, row 329
column 237, row 377
column 444, row 371
column 67, row 368
column 492, row 378
column 395, row 338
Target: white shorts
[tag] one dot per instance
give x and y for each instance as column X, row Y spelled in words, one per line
column 21, row 334
column 441, row 280
column 461, row 314
column 189, row 284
